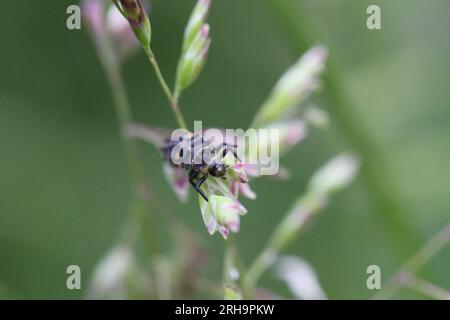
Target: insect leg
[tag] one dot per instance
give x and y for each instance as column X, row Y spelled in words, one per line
column 232, row 148
column 192, row 177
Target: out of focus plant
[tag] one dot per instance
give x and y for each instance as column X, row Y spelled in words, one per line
column 123, row 274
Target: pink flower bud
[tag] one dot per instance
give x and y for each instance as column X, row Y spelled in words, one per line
column 245, row 190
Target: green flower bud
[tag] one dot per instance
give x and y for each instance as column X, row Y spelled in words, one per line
column 293, row 87
column 335, row 175
column 137, row 18
column 221, row 214
column 193, row 59
column 196, row 21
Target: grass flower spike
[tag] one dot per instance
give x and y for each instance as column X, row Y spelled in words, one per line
column 196, row 22
column 195, row 49
column 293, row 87
column 221, row 213
column 215, row 163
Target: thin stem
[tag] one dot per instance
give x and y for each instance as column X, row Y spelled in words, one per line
column 232, row 270
column 425, row 287
column 173, row 100
column 139, row 219
column 416, row 262
column 263, row 262
column 229, row 267
column 176, row 93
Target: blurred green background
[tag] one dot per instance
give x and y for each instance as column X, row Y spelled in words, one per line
column 63, row 183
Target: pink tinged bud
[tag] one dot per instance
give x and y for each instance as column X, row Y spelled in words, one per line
column 196, row 21
column 290, row 133
column 137, row 17
column 251, row 170
column 224, row 231
column 239, row 172
column 235, row 208
column 195, row 49
column 201, row 48
column 134, row 11
column 212, row 227
column 93, row 13
column 295, row 132
column 237, row 188
column 193, row 59
column 203, row 55
column 205, row 3
column 302, row 77
column 178, row 180
column 204, row 31
column 245, row 190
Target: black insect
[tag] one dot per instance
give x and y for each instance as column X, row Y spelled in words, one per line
column 200, row 156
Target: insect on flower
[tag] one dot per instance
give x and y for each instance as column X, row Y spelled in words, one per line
column 200, row 156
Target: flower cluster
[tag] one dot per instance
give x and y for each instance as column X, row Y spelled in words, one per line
column 222, row 211
column 195, row 49
column 118, row 30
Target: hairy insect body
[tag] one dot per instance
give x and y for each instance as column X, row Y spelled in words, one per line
column 199, row 157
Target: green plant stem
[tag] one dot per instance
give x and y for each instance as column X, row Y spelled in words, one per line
column 229, row 261
column 232, row 270
column 425, row 287
column 139, row 219
column 173, row 100
column 416, row 262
